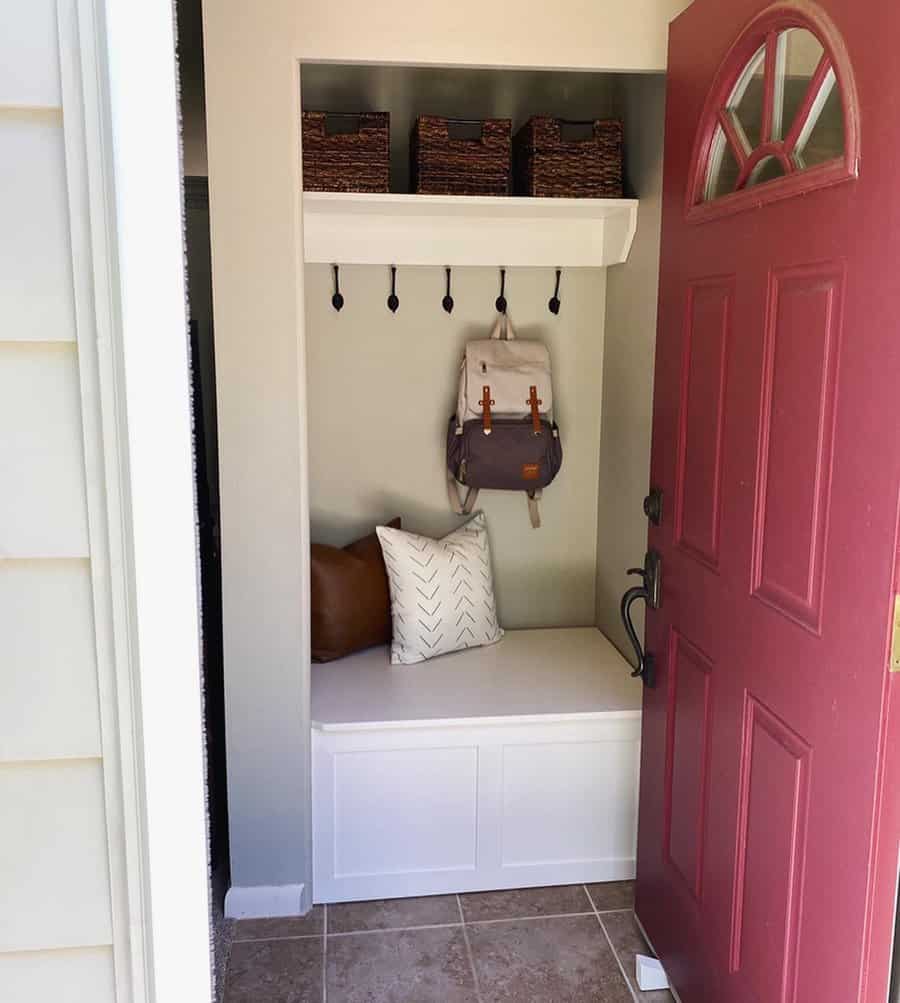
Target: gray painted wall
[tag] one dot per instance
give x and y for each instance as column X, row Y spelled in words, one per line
column 628, row 362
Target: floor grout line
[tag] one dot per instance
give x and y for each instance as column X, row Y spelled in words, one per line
column 615, row 953
column 394, row 929
column 431, row 926
column 325, row 954
column 291, row 936
column 529, row 919
column 465, row 933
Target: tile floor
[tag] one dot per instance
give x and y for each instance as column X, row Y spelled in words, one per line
column 540, row 945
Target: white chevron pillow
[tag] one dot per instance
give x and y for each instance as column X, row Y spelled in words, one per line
column 442, row 591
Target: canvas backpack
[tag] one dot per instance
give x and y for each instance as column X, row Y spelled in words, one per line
column 503, row 435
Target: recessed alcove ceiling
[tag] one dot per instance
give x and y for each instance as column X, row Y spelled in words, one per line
column 456, row 92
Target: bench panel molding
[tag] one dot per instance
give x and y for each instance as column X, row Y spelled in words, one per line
column 547, row 801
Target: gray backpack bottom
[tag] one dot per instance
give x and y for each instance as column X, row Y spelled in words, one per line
column 513, row 457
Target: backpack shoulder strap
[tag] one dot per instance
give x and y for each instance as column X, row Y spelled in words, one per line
column 459, row 505
column 534, row 511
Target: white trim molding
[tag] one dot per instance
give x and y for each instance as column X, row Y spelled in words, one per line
column 261, row 901
column 123, row 168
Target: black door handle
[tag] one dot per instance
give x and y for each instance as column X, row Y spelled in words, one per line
column 650, row 592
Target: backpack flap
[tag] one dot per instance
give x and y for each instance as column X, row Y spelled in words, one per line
column 510, row 369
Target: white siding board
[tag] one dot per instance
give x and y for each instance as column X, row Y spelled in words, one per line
column 29, row 69
column 42, row 506
column 75, row 976
column 35, row 249
column 50, row 705
column 54, row 868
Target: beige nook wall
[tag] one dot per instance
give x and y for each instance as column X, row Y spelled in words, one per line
column 252, row 53
column 628, row 365
column 605, row 35
column 382, row 387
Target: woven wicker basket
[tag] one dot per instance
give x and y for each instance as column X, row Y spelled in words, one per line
column 456, row 157
column 559, row 159
column 346, row 153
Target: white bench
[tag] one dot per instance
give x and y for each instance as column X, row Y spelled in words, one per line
column 501, row 767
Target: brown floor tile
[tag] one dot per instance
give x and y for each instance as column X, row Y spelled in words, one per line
column 411, row 966
column 521, row 903
column 287, row 926
column 612, row 895
column 565, row 960
column 628, row 941
column 275, row 971
column 392, row 914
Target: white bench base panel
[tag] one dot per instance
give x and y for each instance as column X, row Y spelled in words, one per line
column 435, row 802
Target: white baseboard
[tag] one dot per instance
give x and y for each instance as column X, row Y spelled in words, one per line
column 263, row 901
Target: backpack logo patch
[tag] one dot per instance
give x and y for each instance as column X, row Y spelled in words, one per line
column 531, row 471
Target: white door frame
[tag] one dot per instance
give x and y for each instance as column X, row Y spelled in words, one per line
column 123, row 161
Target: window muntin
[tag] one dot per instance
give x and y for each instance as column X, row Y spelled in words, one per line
column 783, row 115
column 745, row 104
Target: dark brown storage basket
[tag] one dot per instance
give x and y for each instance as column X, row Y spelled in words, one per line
column 346, row 153
column 461, row 157
column 559, row 159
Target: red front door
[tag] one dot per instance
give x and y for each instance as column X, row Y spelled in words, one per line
column 768, row 847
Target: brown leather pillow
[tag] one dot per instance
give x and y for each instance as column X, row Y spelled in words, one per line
column 350, row 598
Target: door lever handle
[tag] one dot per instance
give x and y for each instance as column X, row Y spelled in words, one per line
column 650, row 592
column 650, row 575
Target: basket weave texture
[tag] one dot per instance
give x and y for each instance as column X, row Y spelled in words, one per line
column 547, row 165
column 356, row 161
column 443, row 165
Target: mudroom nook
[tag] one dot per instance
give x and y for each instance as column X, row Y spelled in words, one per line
column 515, row 764
column 506, row 769
column 505, row 766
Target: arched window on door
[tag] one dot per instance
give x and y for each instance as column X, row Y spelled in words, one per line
column 780, row 119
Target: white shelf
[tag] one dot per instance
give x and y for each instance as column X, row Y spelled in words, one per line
column 351, row 229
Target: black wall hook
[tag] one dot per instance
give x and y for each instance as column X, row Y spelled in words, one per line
column 554, row 303
column 447, row 301
column 337, row 301
column 501, row 303
column 392, row 301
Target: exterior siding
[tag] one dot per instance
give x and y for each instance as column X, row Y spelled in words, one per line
column 56, row 929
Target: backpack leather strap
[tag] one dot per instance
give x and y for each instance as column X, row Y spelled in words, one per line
column 533, row 402
column 486, row 403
